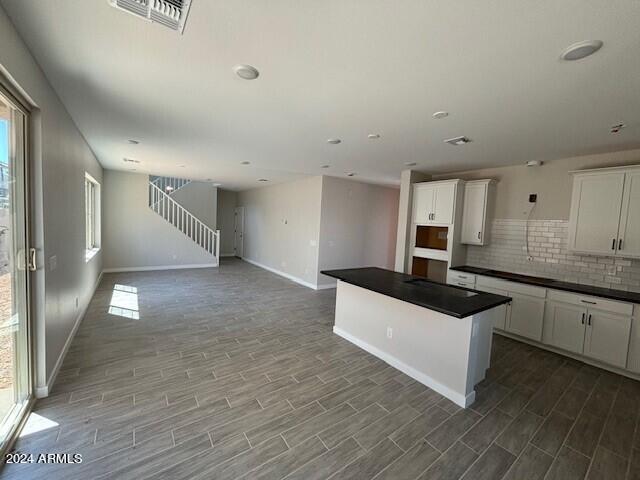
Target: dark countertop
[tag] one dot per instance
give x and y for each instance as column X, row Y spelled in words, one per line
column 448, row 299
column 632, row 297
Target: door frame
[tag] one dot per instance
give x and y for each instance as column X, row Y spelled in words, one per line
column 14, row 96
column 235, row 232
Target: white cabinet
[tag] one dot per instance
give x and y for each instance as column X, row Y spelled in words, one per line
column 475, row 221
column 629, row 234
column 633, row 361
column 423, row 196
column 525, row 316
column 503, row 310
column 605, row 212
column 607, row 337
column 445, row 197
column 564, row 326
column 434, row 202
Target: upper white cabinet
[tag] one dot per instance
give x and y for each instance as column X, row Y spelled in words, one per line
column 434, row 202
column 475, row 218
column 605, row 212
column 629, row 232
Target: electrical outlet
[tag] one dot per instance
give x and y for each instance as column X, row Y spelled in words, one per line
column 612, row 270
column 389, row 332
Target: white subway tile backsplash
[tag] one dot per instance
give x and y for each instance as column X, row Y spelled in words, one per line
column 549, row 256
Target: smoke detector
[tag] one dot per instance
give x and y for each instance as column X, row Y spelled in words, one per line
column 170, row 13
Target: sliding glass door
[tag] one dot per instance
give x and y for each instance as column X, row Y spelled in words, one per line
column 15, row 354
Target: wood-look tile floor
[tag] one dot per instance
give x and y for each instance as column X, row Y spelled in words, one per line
column 235, row 373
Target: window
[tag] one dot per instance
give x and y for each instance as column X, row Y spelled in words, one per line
column 92, row 216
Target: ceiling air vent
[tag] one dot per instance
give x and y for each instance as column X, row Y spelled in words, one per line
column 170, row 13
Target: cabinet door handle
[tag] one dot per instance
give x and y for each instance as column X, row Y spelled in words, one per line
column 613, row 244
column 587, row 301
column 589, row 320
column 582, row 318
column 479, row 235
column 620, row 244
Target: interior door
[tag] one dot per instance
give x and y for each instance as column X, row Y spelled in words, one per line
column 423, row 206
column 473, row 213
column 596, row 204
column 566, row 325
column 15, row 348
column 629, row 235
column 238, row 229
column 444, row 200
column 607, row 337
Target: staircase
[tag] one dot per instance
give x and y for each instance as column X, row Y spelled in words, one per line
column 160, row 201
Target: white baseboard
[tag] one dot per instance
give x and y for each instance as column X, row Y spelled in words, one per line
column 282, row 274
column 43, row 391
column 326, row 286
column 159, row 267
column 455, row 397
column 228, row 254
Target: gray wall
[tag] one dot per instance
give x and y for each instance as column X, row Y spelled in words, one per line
column 227, row 201
column 60, row 157
column 282, row 227
column 201, row 199
column 358, row 226
column 136, row 237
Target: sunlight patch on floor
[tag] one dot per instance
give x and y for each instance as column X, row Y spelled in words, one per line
column 124, row 302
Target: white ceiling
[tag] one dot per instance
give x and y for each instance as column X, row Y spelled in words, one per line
column 340, row 68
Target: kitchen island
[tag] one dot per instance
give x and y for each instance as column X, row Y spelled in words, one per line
column 438, row 334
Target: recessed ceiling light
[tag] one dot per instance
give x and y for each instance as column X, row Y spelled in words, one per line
column 263, row 180
column 581, row 50
column 411, row 164
column 246, row 72
column 440, row 114
column 351, row 174
column 325, row 166
column 130, row 160
column 245, row 163
column 133, row 142
column 458, row 140
column 334, row 141
column 373, row 136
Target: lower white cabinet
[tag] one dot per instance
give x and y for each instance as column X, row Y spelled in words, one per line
column 525, row 316
column 565, row 326
column 607, row 337
column 594, row 327
column 633, row 360
column 501, row 317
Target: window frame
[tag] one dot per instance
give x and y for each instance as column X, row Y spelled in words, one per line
column 91, row 216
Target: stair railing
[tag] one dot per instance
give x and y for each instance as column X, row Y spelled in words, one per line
column 185, row 221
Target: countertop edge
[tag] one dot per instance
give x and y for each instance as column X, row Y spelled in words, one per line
column 430, row 307
column 578, row 288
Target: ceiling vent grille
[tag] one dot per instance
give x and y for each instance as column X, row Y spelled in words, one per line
column 170, row 13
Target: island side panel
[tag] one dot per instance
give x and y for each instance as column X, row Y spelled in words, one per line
column 429, row 346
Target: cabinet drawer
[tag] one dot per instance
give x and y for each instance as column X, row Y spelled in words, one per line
column 590, row 302
column 513, row 287
column 456, row 276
